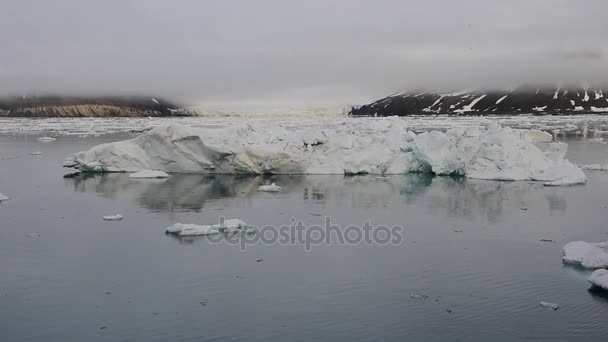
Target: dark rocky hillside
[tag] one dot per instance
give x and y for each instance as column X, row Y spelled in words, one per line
column 521, row 100
column 73, row 106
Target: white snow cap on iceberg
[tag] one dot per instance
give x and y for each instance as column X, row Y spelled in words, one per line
column 379, row 147
column 229, row 226
column 3, row 197
column 599, row 278
column 149, row 174
column 587, row 254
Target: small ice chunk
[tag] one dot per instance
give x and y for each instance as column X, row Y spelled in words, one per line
column 182, row 229
column 37, row 153
column 113, row 217
column 567, row 181
column 418, row 296
column 46, row 139
column 149, row 174
column 587, row 254
column 594, row 167
column 3, row 197
column 599, row 278
column 535, row 135
column 553, row 306
column 270, row 188
column 230, row 225
column 155, row 101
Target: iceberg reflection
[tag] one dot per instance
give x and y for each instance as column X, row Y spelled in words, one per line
column 448, row 196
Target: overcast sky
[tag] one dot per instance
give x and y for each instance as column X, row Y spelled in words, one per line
column 307, row 51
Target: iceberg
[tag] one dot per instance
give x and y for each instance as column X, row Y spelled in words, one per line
column 227, row 226
column 599, row 278
column 379, row 147
column 149, row 174
column 586, row 254
column 3, row 197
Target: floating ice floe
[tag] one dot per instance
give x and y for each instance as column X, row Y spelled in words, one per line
column 379, row 147
column 270, row 188
column 553, row 306
column 36, row 153
column 587, row 254
column 46, row 139
column 228, row 226
column 113, row 217
column 149, row 174
column 599, row 278
column 594, row 167
column 3, row 197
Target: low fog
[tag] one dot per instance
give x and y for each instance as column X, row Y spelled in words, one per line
column 299, row 52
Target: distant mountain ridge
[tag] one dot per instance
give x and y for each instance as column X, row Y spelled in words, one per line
column 83, row 106
column 522, row 100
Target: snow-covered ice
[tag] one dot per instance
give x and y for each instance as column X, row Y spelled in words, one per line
column 115, row 217
column 46, row 139
column 227, row 226
column 3, row 197
column 417, row 123
column 376, row 147
column 587, row 254
column 599, row 278
column 149, row 174
column 270, row 188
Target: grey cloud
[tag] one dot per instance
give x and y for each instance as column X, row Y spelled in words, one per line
column 314, row 51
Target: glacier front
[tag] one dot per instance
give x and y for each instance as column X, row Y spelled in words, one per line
column 380, row 147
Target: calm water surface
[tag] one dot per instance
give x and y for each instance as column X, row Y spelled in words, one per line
column 468, row 246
